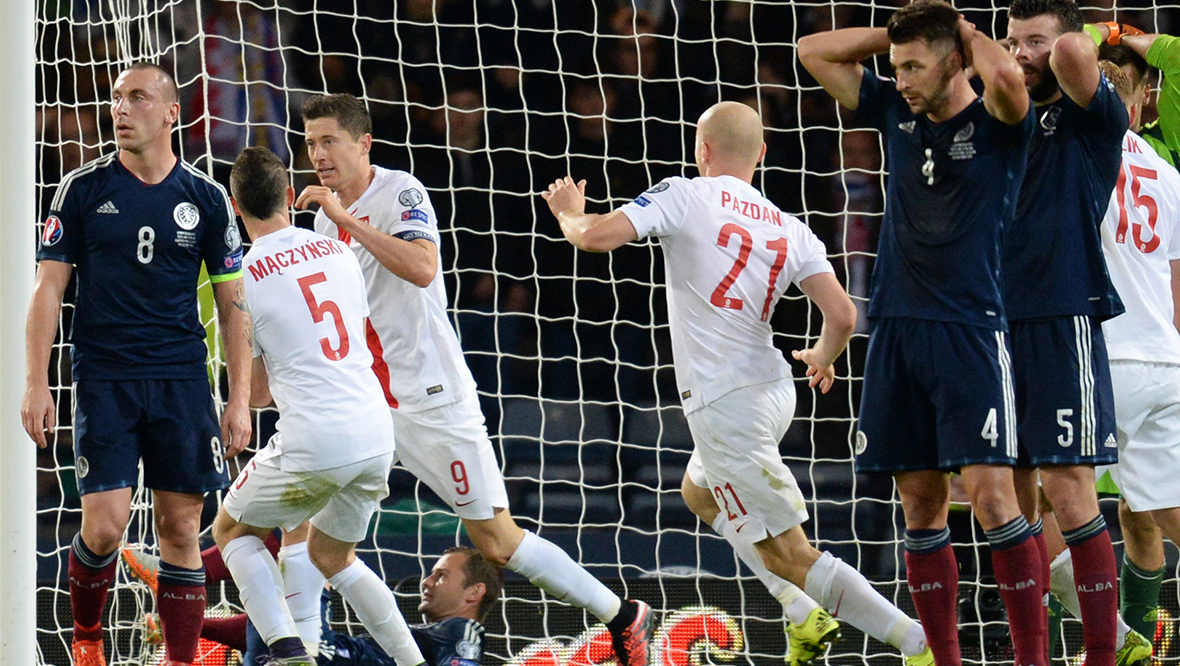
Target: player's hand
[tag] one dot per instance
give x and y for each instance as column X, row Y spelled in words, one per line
column 821, row 371
column 236, row 428
column 966, row 34
column 325, row 199
column 38, row 414
column 566, row 196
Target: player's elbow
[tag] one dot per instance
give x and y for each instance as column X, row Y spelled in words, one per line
column 810, row 49
column 842, row 318
column 422, row 278
column 598, row 238
column 1072, row 50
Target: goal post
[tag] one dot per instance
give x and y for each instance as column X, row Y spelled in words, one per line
column 18, row 470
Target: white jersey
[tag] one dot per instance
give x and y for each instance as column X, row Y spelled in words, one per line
column 1140, row 236
column 419, row 361
column 729, row 255
column 306, row 297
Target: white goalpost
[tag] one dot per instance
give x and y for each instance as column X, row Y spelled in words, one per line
column 486, row 102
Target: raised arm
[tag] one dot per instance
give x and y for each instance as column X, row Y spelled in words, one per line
column 1004, row 94
column 839, row 323
column 1074, row 60
column 37, row 410
column 586, row 231
column 233, row 317
column 834, row 59
column 414, row 261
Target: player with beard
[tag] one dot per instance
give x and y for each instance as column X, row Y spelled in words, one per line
column 1057, row 292
column 938, row 392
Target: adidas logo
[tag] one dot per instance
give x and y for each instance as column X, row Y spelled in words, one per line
column 108, row 208
column 1110, row 442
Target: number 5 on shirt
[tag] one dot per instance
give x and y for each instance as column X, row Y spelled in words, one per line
column 318, row 310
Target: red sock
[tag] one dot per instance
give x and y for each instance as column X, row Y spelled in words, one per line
column 1018, row 575
column 934, row 586
column 1096, row 578
column 229, row 631
column 1043, row 552
column 89, row 588
column 181, row 603
column 215, row 569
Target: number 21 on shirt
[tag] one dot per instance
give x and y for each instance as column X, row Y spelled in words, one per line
column 778, row 246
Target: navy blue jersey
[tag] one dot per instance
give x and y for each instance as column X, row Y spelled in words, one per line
column 1053, row 263
column 952, row 191
column 452, row 642
column 138, row 250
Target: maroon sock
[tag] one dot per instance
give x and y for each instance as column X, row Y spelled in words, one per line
column 933, row 576
column 1018, row 575
column 180, row 600
column 229, row 631
column 1096, row 578
column 215, row 569
column 1043, row 552
column 90, row 583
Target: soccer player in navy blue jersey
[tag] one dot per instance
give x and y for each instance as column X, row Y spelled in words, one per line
column 1057, row 292
column 938, row 389
column 136, row 225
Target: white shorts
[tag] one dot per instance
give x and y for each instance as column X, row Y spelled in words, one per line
column 448, row 449
column 1147, row 411
column 736, row 454
column 340, row 501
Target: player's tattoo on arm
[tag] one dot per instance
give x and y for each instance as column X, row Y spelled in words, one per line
column 239, row 301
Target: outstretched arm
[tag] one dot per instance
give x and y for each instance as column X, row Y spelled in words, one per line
column 834, row 58
column 839, row 323
column 1074, row 60
column 1004, row 94
column 586, row 231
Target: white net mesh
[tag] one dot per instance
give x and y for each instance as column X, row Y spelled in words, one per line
column 486, row 103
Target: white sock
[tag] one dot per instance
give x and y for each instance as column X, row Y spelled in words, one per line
column 260, row 587
column 551, row 569
column 304, row 584
column 1061, row 584
column 847, row 595
column 374, row 604
column 796, row 604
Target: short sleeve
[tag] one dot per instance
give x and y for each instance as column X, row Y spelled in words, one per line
column 1173, row 186
column 61, row 235
column 222, row 246
column 413, row 214
column 813, row 255
column 1106, row 114
column 659, row 211
column 877, row 95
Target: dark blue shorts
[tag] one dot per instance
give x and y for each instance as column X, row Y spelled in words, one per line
column 937, row 395
column 170, row 424
column 1064, row 398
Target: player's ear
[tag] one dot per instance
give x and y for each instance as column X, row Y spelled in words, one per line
column 762, row 154
column 290, row 197
column 234, row 202
column 366, row 143
column 476, row 592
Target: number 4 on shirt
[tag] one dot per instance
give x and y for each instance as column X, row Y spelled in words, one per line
column 779, row 245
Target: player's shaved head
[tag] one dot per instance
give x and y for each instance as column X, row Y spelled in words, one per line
column 167, row 84
column 733, row 131
column 258, row 182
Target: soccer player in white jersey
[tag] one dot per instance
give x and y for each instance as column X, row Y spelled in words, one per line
column 331, row 455
column 387, row 219
column 730, row 254
column 1141, row 241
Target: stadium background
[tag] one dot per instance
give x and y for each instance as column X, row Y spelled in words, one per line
column 486, row 102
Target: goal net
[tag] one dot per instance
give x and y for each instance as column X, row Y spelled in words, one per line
column 486, row 103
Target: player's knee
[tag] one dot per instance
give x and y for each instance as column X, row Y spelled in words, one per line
column 329, row 561
column 1165, row 520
